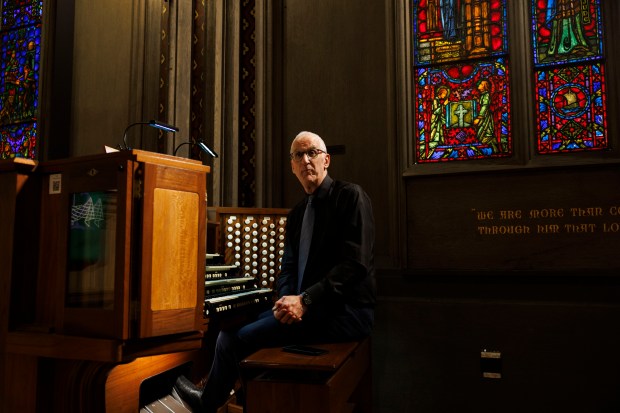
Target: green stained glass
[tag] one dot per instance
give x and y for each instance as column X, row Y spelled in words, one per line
column 566, row 31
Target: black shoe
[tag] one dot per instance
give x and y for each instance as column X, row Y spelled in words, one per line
column 188, row 393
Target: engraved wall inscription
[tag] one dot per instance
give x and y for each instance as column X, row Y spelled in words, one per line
column 547, row 220
column 535, row 221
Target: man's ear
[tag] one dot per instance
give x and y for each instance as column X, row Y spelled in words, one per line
column 327, row 161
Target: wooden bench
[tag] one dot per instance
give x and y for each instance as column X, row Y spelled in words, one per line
column 338, row 381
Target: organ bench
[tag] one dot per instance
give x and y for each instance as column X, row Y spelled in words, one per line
column 336, row 382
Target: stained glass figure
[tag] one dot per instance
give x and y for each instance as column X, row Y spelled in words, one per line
column 451, row 30
column 566, row 31
column 463, row 111
column 571, row 109
column 20, row 53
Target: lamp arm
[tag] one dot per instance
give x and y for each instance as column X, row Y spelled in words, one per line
column 177, row 148
column 203, row 147
column 153, row 124
column 127, row 129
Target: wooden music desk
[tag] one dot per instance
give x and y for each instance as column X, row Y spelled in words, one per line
column 339, row 381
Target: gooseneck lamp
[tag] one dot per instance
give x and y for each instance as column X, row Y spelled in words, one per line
column 152, row 123
column 203, row 147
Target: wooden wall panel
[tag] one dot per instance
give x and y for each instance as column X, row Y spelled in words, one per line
column 335, row 84
column 554, row 220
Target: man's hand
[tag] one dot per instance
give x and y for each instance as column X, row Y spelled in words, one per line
column 289, row 309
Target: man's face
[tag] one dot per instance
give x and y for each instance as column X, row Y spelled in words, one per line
column 310, row 172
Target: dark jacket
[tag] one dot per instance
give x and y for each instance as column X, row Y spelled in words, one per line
column 340, row 268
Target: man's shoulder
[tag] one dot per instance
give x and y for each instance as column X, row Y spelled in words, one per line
column 347, row 187
column 346, row 194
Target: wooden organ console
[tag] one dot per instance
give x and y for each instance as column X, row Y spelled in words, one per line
column 106, row 293
column 106, row 282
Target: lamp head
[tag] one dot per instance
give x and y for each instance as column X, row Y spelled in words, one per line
column 163, row 126
column 203, row 147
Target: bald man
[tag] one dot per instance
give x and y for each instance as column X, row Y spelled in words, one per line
column 326, row 288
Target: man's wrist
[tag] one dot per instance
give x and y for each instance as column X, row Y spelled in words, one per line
column 306, row 300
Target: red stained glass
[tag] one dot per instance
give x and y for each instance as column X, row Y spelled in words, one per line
column 463, row 112
column 571, row 109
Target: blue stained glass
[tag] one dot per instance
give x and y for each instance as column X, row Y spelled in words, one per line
column 19, row 82
column 20, row 53
column 574, row 109
column 21, row 13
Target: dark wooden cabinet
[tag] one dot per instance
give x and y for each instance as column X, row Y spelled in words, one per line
column 120, row 250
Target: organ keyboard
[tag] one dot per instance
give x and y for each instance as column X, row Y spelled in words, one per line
column 242, row 278
column 233, row 302
column 228, row 292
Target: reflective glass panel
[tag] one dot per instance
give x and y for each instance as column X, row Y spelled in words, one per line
column 92, row 250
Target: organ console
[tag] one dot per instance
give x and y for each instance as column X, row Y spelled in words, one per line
column 251, row 243
column 228, row 292
column 112, row 282
column 110, row 293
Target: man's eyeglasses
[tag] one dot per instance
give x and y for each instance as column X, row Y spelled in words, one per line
column 312, row 153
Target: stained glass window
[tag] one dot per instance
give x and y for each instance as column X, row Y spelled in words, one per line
column 571, row 109
column 462, row 111
column 569, row 76
column 566, row 31
column 448, row 30
column 20, row 53
column 462, row 88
